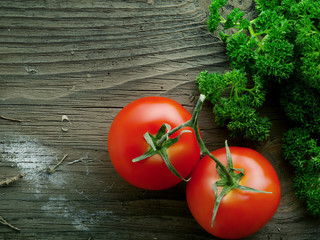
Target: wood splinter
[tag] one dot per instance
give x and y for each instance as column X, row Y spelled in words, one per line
column 5, row 223
column 10, row 180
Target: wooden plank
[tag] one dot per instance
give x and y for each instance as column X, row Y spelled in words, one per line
column 66, row 70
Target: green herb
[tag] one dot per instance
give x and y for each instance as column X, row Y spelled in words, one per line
column 302, row 105
column 302, row 150
column 237, row 110
column 280, row 47
column 260, row 46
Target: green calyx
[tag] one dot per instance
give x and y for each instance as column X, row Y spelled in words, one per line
column 228, row 182
column 229, row 176
column 159, row 144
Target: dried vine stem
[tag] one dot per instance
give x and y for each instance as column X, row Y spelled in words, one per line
column 10, row 180
column 6, row 183
column 12, row 119
column 4, row 222
column 53, row 169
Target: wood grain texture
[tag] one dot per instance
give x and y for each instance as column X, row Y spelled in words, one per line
column 86, row 60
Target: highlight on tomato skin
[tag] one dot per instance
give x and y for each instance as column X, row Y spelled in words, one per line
column 126, row 142
column 241, row 213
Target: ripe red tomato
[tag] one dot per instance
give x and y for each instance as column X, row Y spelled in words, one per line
column 126, row 142
column 240, row 213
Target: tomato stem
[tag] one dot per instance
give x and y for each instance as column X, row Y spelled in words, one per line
column 205, row 151
column 193, row 123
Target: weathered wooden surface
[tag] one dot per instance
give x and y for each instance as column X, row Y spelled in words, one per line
column 66, row 70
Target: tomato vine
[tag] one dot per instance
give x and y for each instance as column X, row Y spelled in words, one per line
column 229, row 176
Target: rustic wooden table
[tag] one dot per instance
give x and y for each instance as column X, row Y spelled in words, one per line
column 67, row 68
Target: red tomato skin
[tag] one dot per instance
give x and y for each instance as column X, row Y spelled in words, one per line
column 241, row 213
column 126, row 142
